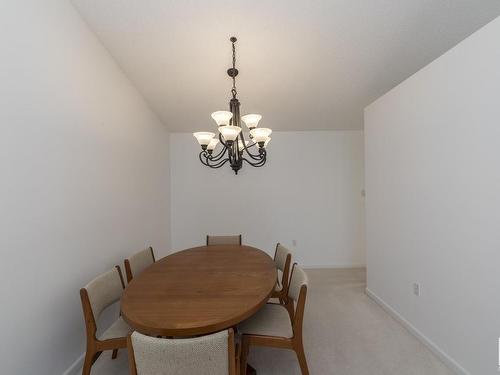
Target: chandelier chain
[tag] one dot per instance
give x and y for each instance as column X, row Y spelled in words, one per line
column 233, row 89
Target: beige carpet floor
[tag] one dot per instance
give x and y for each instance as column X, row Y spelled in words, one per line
column 345, row 333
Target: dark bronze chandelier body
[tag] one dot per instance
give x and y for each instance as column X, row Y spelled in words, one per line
column 235, row 148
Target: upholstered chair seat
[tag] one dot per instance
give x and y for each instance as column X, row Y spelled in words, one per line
column 271, row 320
column 118, row 329
column 206, row 355
column 279, row 283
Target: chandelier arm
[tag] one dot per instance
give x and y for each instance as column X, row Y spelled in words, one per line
column 206, row 162
column 260, row 161
column 220, row 164
column 219, row 155
column 245, row 148
column 203, row 154
column 257, row 164
column 253, row 156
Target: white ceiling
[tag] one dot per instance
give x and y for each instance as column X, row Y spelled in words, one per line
column 303, row 64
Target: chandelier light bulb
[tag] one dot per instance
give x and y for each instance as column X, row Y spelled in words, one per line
column 222, row 118
column 230, row 133
column 260, row 134
column 251, row 120
column 204, row 138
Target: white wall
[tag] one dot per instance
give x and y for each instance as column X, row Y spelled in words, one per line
column 84, row 179
column 433, row 205
column 309, row 191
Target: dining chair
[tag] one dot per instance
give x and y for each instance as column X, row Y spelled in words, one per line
column 138, row 262
column 272, row 326
column 282, row 261
column 211, row 354
column 100, row 293
column 223, row 240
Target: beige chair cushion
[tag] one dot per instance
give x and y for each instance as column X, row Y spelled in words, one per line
column 271, row 320
column 278, row 287
column 223, row 240
column 298, row 278
column 206, row 355
column 118, row 329
column 279, row 282
column 104, row 290
column 140, row 261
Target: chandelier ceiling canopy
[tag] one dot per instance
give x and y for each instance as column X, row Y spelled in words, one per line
column 235, row 148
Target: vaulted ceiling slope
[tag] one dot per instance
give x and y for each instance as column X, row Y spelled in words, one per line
column 303, row 65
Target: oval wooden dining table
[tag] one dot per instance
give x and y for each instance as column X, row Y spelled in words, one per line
column 199, row 291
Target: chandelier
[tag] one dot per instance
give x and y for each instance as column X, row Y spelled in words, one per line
column 235, row 148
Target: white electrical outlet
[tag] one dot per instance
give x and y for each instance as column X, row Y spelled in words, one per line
column 416, row 289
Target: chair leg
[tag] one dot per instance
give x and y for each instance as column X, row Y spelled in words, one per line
column 301, row 356
column 237, row 355
column 115, row 354
column 289, row 308
column 87, row 364
column 245, row 347
column 96, row 355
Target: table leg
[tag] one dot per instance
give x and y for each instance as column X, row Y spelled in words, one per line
column 251, row 370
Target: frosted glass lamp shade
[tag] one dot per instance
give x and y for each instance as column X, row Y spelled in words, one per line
column 267, row 141
column 203, row 138
column 230, row 133
column 222, row 117
column 260, row 134
column 251, row 121
column 213, row 143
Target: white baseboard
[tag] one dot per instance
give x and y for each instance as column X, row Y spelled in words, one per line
column 76, row 367
column 333, row 266
column 447, row 360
